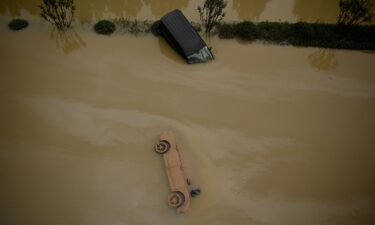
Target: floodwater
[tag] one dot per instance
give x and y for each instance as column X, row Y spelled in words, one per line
column 255, row 10
column 274, row 135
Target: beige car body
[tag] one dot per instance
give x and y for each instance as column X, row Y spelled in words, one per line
column 176, row 169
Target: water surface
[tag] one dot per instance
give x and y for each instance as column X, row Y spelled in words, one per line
column 255, row 10
column 273, row 135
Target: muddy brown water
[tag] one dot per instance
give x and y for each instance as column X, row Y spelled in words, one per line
column 254, row 10
column 273, row 135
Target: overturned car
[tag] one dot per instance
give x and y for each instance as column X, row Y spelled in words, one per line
column 181, row 35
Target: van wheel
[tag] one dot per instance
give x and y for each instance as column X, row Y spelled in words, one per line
column 176, row 199
column 162, row 147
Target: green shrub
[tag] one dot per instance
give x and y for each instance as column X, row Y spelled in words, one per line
column 324, row 35
column 357, row 33
column 273, row 31
column 104, row 27
column 226, row 31
column 304, row 34
column 18, row 24
column 246, row 30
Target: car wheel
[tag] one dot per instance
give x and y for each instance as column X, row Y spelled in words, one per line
column 162, row 147
column 176, row 199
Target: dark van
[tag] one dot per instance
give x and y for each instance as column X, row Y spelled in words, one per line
column 182, row 36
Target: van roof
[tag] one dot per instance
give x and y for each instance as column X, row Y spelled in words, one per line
column 182, row 32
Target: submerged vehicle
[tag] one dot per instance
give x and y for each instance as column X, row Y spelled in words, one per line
column 182, row 36
column 175, row 166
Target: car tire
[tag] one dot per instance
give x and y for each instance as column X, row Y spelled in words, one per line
column 162, row 147
column 176, row 199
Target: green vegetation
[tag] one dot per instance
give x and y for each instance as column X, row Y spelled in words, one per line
column 354, row 12
column 246, row 30
column 348, row 33
column 58, row 12
column 104, row 27
column 18, row 24
column 303, row 34
column 297, row 34
column 211, row 13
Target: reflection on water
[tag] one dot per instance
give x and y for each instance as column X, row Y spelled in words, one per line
column 324, row 59
column 249, row 9
column 67, row 40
